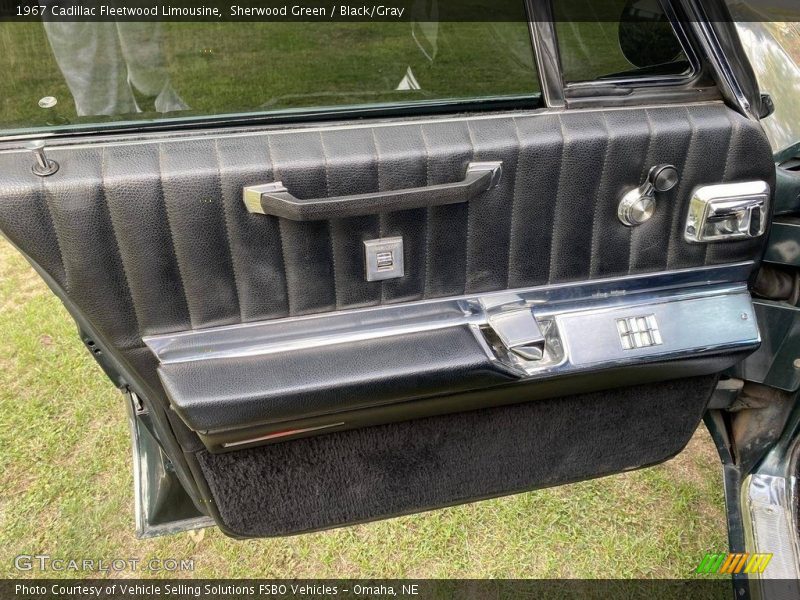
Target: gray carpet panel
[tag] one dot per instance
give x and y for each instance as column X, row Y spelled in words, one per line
column 400, row 468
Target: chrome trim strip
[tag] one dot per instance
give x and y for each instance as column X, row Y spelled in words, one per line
column 109, row 138
column 545, row 48
column 686, row 322
column 707, row 37
column 281, row 335
column 769, row 528
column 693, row 322
column 280, row 434
column 142, row 489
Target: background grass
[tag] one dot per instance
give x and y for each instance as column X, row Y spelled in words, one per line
column 66, row 489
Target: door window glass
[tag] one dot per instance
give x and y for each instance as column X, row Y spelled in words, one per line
column 101, row 72
column 616, row 39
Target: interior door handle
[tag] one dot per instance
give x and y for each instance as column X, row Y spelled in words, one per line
column 513, row 323
column 727, row 212
column 275, row 199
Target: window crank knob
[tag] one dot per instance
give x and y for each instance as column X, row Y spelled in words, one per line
column 42, row 166
column 663, row 177
column 639, row 204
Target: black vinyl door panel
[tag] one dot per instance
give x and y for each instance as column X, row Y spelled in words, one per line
column 552, row 218
column 284, row 371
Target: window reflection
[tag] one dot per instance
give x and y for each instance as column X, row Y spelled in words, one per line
column 107, row 66
column 105, row 72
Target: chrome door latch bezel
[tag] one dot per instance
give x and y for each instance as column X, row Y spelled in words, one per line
column 727, row 212
column 513, row 322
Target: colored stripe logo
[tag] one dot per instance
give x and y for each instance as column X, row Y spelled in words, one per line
column 734, row 563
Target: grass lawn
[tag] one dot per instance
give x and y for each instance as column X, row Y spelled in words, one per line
column 66, row 489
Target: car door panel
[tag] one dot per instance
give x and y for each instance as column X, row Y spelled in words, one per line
column 226, row 382
column 220, row 256
column 254, row 330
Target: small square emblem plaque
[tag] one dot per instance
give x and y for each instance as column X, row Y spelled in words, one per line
column 384, row 258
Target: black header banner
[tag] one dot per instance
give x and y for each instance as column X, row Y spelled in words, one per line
column 347, row 589
column 354, row 11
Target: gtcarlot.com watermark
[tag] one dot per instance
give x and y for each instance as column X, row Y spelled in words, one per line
column 47, row 563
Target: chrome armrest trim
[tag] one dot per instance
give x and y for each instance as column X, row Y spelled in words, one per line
column 698, row 311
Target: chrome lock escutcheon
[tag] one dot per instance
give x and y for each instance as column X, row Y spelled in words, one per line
column 639, row 205
column 727, row 212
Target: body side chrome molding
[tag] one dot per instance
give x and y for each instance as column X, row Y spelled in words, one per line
column 769, row 520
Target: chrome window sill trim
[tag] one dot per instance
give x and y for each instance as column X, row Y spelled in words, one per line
column 549, row 303
column 10, row 144
column 633, row 82
column 388, row 110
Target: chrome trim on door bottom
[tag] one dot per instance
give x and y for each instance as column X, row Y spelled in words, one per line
column 280, row 434
column 161, row 505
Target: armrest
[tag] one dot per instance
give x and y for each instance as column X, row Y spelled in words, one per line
column 230, row 393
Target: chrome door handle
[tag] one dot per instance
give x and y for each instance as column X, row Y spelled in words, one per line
column 519, row 332
column 275, row 199
column 727, row 211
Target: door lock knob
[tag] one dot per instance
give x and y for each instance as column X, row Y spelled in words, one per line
column 639, row 204
column 42, row 166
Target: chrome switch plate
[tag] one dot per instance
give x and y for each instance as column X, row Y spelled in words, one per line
column 639, row 332
column 384, row 258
